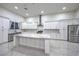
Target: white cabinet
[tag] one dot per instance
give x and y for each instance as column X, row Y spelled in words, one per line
column 4, row 26
column 50, row 25
column 61, row 25
column 29, row 25
column 47, row 26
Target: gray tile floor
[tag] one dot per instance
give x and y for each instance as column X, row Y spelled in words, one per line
column 64, row 48
column 8, row 50
column 70, row 49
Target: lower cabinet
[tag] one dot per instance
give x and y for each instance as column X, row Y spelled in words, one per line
column 33, row 42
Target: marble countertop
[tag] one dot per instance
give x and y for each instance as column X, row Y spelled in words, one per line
column 33, row 35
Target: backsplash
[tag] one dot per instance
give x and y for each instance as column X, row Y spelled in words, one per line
column 29, row 30
column 54, row 33
column 46, row 31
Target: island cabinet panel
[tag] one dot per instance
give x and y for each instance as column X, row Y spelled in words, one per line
column 33, row 42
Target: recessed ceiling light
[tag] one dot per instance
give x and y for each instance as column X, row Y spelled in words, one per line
column 64, row 8
column 15, row 7
column 42, row 12
column 27, row 14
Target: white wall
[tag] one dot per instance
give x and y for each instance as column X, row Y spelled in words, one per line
column 59, row 16
column 49, row 18
column 10, row 15
column 30, row 23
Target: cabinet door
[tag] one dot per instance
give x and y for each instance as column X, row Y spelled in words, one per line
column 5, row 29
column 0, row 30
column 29, row 25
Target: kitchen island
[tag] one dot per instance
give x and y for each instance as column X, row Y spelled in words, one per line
column 40, row 41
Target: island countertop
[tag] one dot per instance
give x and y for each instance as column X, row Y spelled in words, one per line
column 33, row 35
column 39, row 36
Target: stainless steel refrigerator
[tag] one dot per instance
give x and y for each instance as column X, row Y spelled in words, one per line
column 73, row 33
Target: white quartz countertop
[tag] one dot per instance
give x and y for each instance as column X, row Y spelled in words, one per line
column 33, row 35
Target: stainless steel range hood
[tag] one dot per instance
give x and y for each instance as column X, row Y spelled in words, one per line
column 40, row 25
column 40, row 21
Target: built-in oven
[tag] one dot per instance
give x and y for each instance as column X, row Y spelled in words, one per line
column 11, row 36
column 13, row 30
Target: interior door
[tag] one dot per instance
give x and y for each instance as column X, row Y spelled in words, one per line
column 0, row 30
column 5, row 29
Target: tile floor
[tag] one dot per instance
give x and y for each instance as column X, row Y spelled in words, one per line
column 8, row 50
column 57, row 48
column 63, row 48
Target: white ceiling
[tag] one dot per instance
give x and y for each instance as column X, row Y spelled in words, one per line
column 34, row 9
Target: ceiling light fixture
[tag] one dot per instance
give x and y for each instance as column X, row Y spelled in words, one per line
column 42, row 12
column 16, row 7
column 64, row 8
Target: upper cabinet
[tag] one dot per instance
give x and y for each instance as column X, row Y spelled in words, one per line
column 62, row 24
column 30, row 23
column 50, row 25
